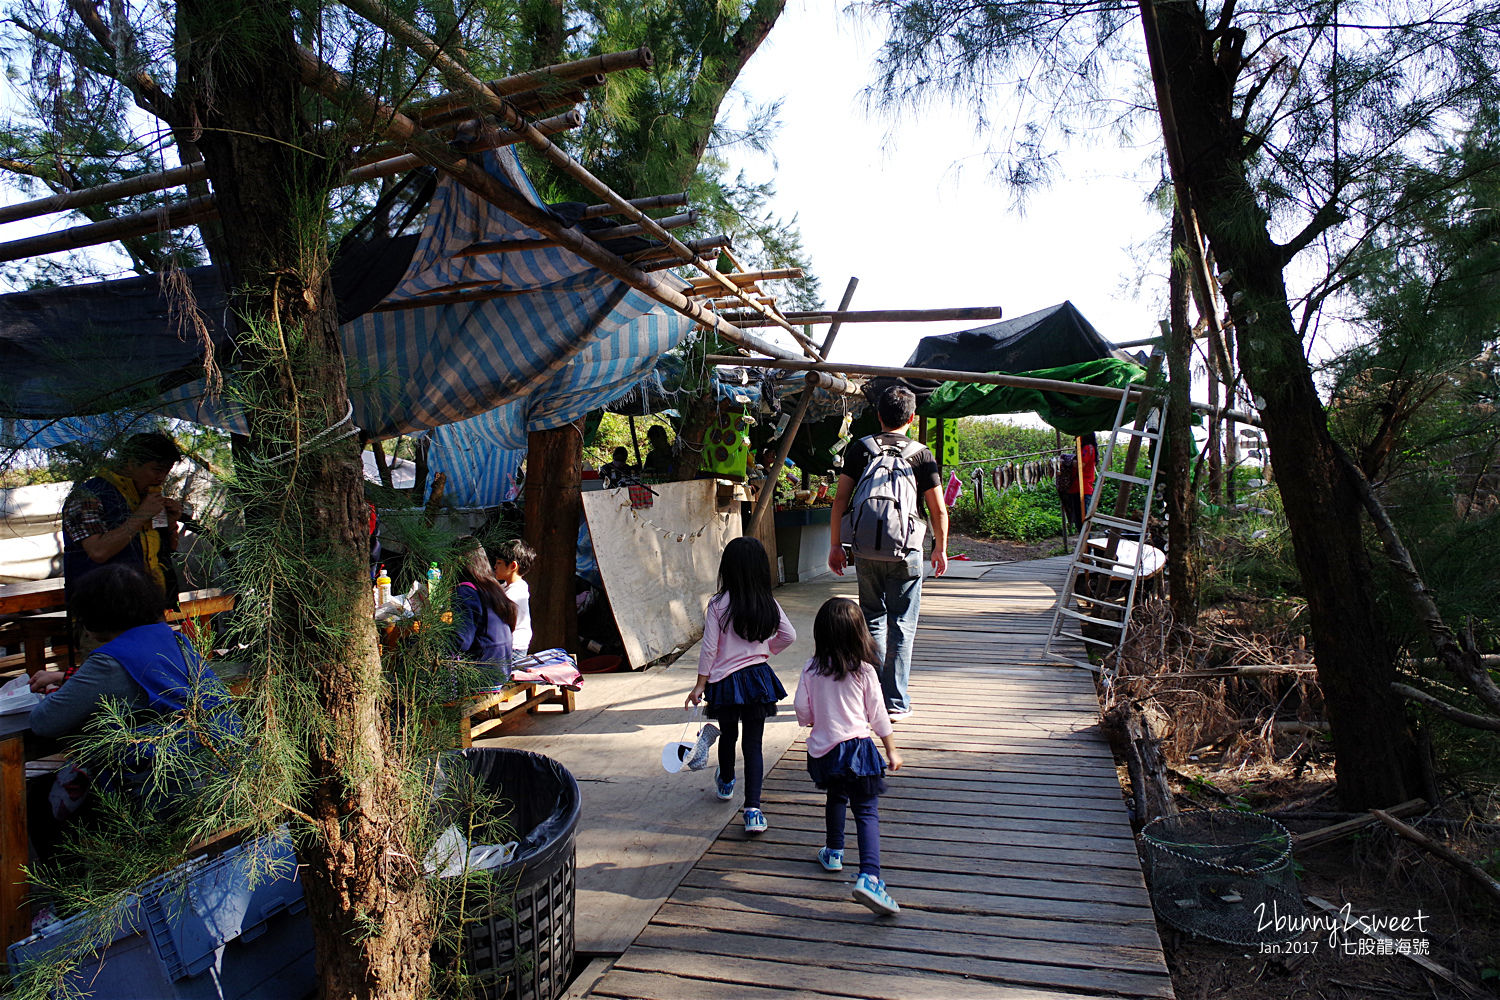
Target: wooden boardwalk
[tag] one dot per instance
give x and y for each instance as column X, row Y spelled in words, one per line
column 1005, row 840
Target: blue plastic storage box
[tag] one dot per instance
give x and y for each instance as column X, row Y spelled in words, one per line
column 200, row 932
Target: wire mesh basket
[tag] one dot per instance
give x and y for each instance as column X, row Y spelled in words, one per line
column 1224, row 875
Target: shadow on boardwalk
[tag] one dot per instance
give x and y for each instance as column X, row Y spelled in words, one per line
column 1004, row 838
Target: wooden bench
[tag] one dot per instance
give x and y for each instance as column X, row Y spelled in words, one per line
column 487, row 712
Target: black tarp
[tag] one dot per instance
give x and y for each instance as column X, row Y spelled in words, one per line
column 1048, row 338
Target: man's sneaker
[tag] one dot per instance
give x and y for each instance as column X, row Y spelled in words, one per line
column 831, row 860
column 723, row 789
column 870, row 891
column 755, row 821
column 897, row 714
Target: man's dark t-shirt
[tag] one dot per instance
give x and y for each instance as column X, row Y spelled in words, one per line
column 923, row 465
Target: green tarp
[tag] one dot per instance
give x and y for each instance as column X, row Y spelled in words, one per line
column 1073, row 415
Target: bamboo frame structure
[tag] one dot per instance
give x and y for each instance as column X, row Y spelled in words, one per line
column 328, row 81
column 650, row 204
column 745, row 278
column 578, row 69
column 380, row 15
column 700, row 247
column 178, row 215
column 876, row 316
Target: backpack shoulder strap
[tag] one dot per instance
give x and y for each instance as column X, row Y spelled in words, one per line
column 910, row 448
column 871, row 445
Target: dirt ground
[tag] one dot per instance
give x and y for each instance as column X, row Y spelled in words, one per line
column 1377, row 875
column 999, row 550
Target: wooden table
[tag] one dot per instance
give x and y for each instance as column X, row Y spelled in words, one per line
column 38, row 613
column 18, row 744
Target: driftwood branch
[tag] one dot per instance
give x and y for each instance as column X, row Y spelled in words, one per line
column 1458, row 654
column 1354, row 923
column 1328, row 834
column 1447, row 711
column 1448, row 854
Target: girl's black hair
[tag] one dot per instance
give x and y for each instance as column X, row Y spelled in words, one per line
column 841, row 639
column 474, row 567
column 745, row 578
column 116, row 598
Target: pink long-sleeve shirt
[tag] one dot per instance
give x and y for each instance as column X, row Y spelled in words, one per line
column 723, row 651
column 839, row 710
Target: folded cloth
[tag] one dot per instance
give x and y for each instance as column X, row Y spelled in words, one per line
column 549, row 666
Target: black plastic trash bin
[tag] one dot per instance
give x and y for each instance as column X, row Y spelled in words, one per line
column 528, row 955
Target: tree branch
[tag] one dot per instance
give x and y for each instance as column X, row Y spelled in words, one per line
column 148, row 94
column 1459, row 655
column 1325, row 218
column 1447, row 711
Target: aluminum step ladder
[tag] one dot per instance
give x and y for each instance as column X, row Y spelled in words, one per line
column 1101, row 586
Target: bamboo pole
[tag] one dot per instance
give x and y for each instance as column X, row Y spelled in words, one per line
column 661, row 265
column 410, row 161
column 328, row 81
column 878, row 316
column 765, row 501
column 744, row 278
column 194, row 211
column 700, row 247
column 650, row 204
column 609, row 62
column 377, row 13
column 142, row 184
column 156, row 220
column 937, row 374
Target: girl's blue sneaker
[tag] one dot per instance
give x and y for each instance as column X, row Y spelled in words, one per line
column 831, row 860
column 723, row 789
column 870, row 891
column 755, row 821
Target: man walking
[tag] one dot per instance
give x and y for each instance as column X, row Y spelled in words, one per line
column 890, row 568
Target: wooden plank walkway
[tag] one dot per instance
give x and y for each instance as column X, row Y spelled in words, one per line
column 1004, row 838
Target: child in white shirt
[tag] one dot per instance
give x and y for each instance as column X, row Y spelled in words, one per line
column 512, row 560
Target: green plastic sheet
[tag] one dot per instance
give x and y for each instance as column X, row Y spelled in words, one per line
column 1073, row 415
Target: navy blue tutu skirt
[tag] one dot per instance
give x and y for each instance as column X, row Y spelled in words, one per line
column 750, row 692
column 854, row 767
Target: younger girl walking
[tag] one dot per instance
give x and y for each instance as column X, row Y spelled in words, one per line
column 742, row 627
column 839, row 697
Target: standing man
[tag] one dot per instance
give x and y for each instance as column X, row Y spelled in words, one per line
column 890, row 588
column 120, row 516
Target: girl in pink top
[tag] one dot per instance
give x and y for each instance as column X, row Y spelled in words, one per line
column 742, row 627
column 839, row 697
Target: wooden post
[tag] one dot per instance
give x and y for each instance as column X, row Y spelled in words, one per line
column 634, row 440
column 381, row 465
column 766, row 500
column 15, row 916
column 1057, row 438
column 554, row 508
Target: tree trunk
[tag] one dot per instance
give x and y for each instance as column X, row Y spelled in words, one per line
column 1181, row 501
column 1375, row 757
column 306, row 521
column 554, row 509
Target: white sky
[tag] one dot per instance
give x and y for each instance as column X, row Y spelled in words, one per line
column 919, row 220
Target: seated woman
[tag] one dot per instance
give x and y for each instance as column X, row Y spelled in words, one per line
column 152, row 671
column 483, row 616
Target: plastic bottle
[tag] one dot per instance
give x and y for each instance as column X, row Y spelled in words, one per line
column 382, row 586
column 434, row 576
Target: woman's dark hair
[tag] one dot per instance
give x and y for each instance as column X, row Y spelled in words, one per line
column 516, row 551
column 745, row 578
column 841, row 639
column 474, row 567
column 657, row 434
column 114, row 599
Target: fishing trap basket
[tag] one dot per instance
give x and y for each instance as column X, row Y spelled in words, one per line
column 1223, row 875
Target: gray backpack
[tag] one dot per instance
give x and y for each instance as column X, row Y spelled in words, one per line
column 882, row 522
